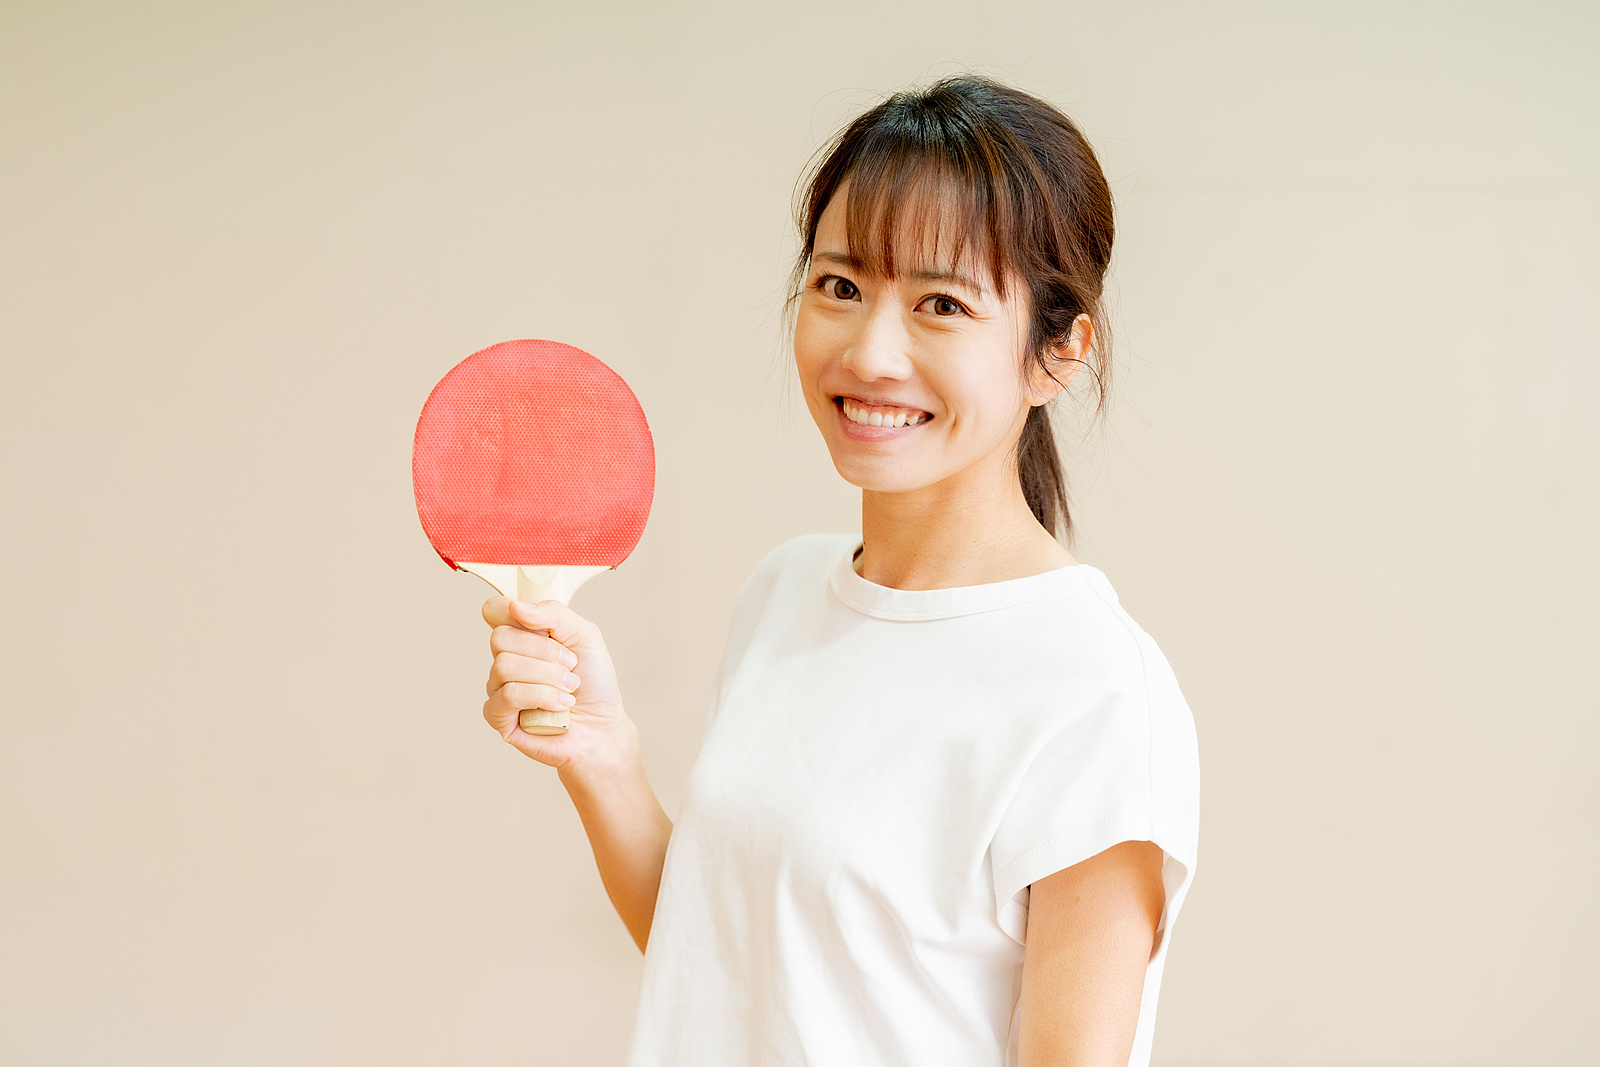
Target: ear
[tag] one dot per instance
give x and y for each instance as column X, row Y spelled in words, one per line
column 1061, row 362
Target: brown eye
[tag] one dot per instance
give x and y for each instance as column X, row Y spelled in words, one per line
column 943, row 305
column 839, row 289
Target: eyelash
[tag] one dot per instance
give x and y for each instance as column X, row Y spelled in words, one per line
column 961, row 308
column 821, row 285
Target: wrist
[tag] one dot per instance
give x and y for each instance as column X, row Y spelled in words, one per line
column 611, row 764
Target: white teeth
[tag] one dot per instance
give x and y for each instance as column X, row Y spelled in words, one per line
column 878, row 418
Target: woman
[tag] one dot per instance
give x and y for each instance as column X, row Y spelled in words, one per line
column 945, row 807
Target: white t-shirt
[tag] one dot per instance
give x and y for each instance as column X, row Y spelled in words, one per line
column 882, row 775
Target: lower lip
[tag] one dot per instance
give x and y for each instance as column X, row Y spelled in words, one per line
column 863, row 432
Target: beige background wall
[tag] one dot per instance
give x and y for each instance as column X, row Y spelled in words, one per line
column 248, row 810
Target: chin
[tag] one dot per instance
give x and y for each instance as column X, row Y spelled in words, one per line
column 880, row 478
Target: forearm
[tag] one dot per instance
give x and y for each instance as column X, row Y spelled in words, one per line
column 628, row 831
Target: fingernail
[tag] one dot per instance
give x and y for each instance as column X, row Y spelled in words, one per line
column 568, row 699
column 572, row 680
column 568, row 660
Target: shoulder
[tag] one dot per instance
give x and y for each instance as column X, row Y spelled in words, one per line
column 1123, row 692
column 1081, row 633
column 795, row 569
column 799, row 562
column 1106, row 639
column 1146, row 692
column 810, row 551
column 1111, row 752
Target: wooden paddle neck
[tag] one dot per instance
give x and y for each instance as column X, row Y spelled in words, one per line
column 532, row 584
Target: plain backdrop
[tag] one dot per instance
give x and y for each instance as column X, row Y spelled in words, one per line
column 249, row 811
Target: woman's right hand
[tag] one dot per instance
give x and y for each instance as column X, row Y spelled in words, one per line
column 531, row 670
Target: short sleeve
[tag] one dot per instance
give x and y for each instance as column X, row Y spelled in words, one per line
column 1124, row 768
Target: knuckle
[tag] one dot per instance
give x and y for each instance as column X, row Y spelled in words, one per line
column 501, row 638
column 532, row 695
column 501, row 667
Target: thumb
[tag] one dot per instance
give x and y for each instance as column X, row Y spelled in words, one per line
column 560, row 621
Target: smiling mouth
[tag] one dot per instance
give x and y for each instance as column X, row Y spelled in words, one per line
column 879, row 415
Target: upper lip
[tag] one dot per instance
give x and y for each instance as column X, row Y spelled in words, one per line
column 880, row 401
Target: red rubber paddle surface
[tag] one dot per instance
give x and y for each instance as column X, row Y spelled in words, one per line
column 533, row 453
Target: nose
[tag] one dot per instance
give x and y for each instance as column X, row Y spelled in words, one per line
column 881, row 349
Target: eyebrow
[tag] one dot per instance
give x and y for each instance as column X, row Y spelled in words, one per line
column 917, row 275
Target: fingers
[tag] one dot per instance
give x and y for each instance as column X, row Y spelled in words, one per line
column 535, row 649
column 509, row 668
column 516, row 697
column 550, row 615
column 533, row 645
column 497, row 611
column 506, row 704
column 563, row 624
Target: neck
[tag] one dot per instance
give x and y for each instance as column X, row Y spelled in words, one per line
column 953, row 534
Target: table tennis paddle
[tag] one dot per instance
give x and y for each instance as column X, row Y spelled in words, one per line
column 533, row 469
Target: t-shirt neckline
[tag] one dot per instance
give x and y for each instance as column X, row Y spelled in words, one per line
column 916, row 605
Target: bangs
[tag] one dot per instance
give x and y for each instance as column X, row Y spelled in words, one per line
column 926, row 196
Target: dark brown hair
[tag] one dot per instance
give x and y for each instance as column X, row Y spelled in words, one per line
column 987, row 171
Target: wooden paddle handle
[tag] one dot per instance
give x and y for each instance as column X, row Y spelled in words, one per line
column 544, row 721
column 531, row 585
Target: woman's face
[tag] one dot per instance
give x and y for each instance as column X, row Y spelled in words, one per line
column 914, row 379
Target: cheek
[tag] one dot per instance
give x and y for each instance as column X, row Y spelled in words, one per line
column 984, row 406
column 981, row 403
column 811, row 347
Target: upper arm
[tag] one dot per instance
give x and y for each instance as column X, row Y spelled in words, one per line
column 1091, row 933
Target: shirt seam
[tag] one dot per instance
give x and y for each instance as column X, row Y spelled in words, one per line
column 1054, row 842
column 1149, row 726
column 934, row 615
